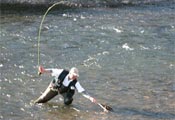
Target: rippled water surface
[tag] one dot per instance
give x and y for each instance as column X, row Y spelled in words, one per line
column 126, row 58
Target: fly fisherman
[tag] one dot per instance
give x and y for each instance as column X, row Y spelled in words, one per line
column 65, row 83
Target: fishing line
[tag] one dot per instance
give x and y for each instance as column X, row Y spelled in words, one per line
column 104, row 107
column 40, row 27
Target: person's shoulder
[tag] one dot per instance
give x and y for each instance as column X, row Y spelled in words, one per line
column 77, row 83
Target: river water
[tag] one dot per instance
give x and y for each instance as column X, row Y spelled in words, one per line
column 126, row 58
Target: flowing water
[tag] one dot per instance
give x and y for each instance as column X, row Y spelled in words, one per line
column 126, row 58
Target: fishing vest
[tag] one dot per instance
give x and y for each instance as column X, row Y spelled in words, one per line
column 59, row 83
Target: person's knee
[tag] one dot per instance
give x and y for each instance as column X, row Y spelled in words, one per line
column 68, row 101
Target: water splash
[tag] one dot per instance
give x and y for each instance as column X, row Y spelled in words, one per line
column 126, row 47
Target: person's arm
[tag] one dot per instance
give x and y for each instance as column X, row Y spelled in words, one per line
column 84, row 93
column 54, row 72
column 42, row 70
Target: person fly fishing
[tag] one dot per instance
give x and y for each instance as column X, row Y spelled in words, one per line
column 65, row 82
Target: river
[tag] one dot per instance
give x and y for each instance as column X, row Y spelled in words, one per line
column 125, row 55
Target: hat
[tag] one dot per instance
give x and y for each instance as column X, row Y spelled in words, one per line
column 74, row 71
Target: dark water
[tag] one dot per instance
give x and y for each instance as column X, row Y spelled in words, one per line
column 126, row 58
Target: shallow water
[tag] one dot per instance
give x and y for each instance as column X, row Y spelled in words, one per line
column 125, row 55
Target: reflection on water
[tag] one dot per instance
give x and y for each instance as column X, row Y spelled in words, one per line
column 125, row 56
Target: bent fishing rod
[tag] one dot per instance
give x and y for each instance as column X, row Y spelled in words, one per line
column 105, row 108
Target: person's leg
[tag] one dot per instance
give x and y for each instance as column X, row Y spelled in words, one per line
column 47, row 95
column 68, row 98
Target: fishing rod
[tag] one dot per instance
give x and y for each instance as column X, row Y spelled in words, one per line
column 103, row 106
column 39, row 32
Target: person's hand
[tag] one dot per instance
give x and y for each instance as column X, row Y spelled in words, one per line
column 93, row 100
column 41, row 70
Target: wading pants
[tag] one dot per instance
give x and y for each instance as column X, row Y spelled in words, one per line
column 50, row 93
